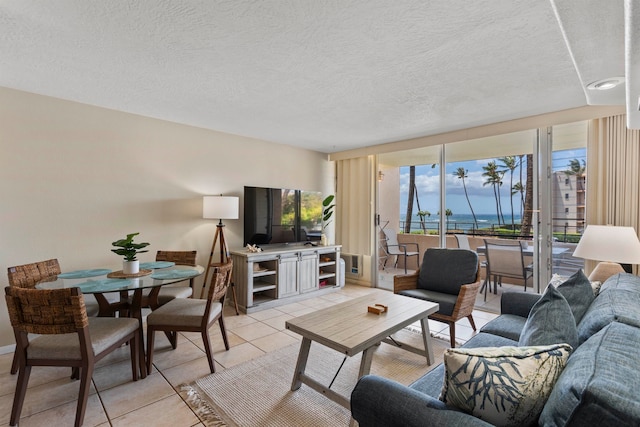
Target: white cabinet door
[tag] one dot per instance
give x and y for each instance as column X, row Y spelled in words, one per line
column 308, row 272
column 287, row 276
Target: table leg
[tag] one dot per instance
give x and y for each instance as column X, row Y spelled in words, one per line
column 301, row 364
column 136, row 311
column 365, row 362
column 426, row 338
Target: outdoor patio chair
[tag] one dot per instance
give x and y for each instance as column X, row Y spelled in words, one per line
column 400, row 249
column 505, row 258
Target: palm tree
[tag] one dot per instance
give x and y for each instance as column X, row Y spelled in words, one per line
column 525, row 231
column 422, row 215
column 510, row 164
column 575, row 168
column 493, row 178
column 518, row 187
column 461, row 173
column 412, row 186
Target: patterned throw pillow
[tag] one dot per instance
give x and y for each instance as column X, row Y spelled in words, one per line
column 505, row 386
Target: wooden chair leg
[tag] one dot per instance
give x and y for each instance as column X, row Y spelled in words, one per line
column 207, row 347
column 134, row 348
column 21, row 391
column 14, row 364
column 85, row 385
column 223, row 330
column 452, row 333
column 473, row 324
column 150, row 343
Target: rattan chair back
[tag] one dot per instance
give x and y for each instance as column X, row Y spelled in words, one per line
column 45, row 312
column 27, row 275
column 179, row 257
column 220, row 282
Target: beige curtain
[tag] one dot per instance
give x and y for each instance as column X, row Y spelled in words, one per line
column 355, row 205
column 613, row 175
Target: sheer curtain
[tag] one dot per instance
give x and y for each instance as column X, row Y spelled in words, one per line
column 613, row 175
column 355, row 204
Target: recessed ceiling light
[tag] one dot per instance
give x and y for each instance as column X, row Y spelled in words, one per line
column 605, row 84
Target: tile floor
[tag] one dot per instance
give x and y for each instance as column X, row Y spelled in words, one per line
column 116, row 400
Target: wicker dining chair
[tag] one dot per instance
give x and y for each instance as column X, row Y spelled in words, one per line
column 66, row 337
column 176, row 290
column 192, row 315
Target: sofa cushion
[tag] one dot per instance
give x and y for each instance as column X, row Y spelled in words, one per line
column 506, row 325
column 506, row 386
column 578, row 292
column 599, row 383
column 446, row 301
column 445, row 270
column 431, row 382
column 618, row 300
column 550, row 322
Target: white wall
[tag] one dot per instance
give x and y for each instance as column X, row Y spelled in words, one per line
column 74, row 178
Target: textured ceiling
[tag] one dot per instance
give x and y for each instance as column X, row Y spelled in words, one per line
column 328, row 75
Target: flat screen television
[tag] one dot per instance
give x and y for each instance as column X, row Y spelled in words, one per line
column 280, row 215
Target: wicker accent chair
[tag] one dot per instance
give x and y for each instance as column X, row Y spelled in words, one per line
column 450, row 277
column 67, row 337
column 192, row 315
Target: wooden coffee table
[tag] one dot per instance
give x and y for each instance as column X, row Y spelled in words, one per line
column 350, row 329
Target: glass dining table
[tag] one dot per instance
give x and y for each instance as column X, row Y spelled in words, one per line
column 133, row 292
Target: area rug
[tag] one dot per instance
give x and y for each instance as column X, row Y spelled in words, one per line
column 258, row 392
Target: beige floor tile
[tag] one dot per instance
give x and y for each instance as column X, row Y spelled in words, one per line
column 43, row 397
column 125, row 398
column 39, row 375
column 237, row 355
column 233, row 322
column 164, row 356
column 266, row 314
column 278, row 322
column 216, row 340
column 175, row 413
column 275, row 341
column 113, row 375
column 302, row 312
column 65, row 415
column 189, row 372
column 254, row 330
column 293, row 307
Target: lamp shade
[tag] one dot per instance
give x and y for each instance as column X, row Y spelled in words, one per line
column 609, row 243
column 220, row 207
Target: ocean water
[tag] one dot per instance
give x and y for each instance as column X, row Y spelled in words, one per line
column 459, row 222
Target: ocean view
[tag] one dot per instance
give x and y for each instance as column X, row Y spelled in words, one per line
column 457, row 222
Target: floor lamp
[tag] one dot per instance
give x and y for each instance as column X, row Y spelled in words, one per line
column 612, row 245
column 219, row 207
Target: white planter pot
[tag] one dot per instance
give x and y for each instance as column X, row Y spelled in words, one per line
column 130, row 267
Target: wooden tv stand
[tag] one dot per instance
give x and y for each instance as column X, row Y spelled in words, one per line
column 286, row 273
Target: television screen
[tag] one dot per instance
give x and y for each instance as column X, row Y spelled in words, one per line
column 279, row 215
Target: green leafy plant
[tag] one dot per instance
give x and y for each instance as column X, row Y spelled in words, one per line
column 327, row 210
column 128, row 249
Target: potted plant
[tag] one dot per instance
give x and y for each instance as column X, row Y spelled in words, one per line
column 129, row 250
column 327, row 212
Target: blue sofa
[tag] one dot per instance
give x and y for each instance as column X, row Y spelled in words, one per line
column 600, row 384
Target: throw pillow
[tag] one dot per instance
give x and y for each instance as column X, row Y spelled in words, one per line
column 579, row 294
column 550, row 322
column 505, row 386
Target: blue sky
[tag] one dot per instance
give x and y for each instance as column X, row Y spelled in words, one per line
column 481, row 196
